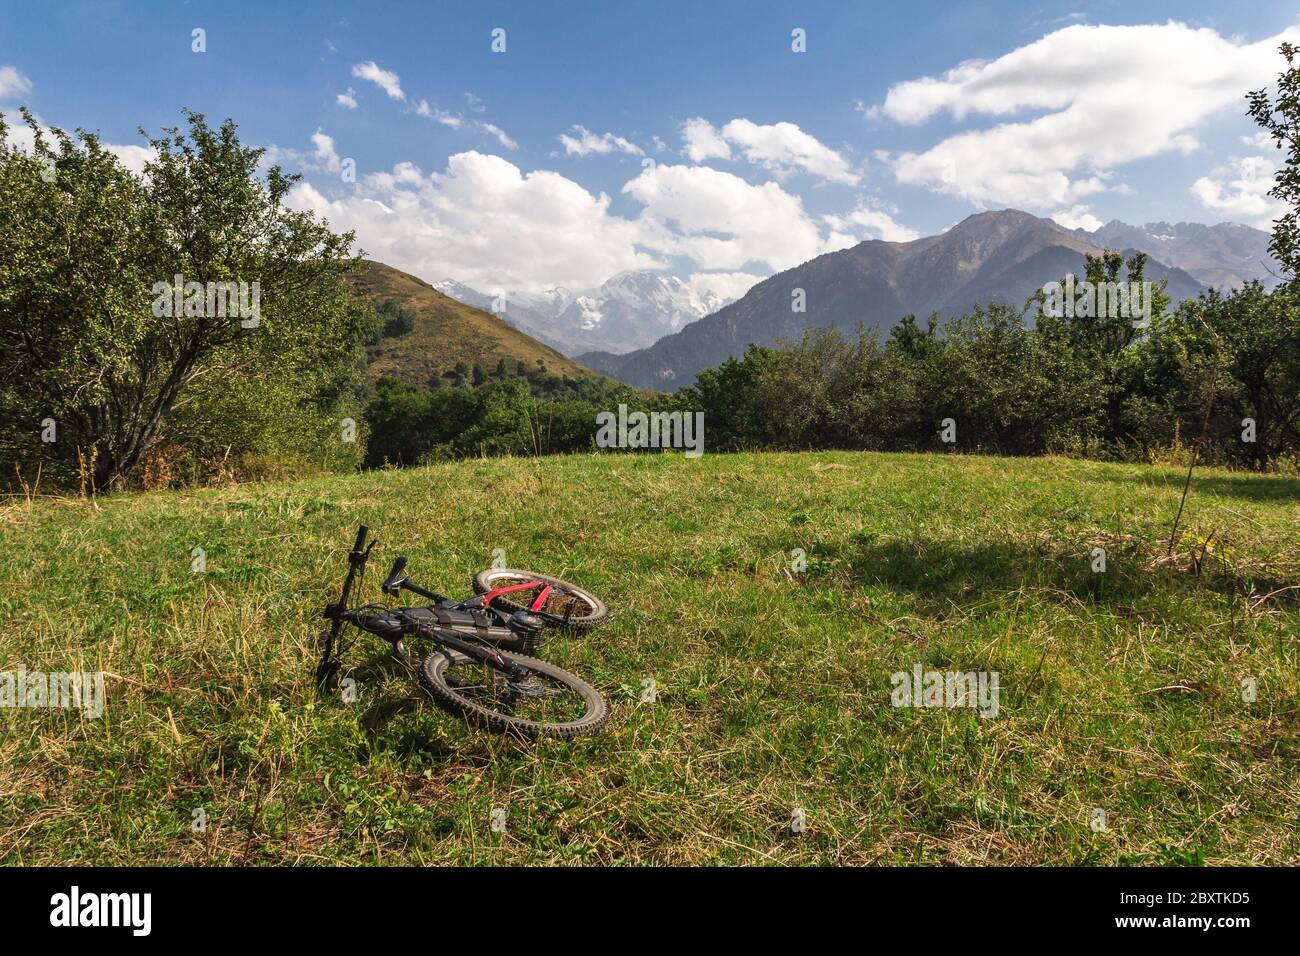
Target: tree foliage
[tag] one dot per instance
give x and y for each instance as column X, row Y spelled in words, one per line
column 91, row 339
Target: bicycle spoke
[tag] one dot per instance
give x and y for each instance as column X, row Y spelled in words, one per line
column 537, row 697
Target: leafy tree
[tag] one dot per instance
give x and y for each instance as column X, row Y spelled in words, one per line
column 1281, row 118
column 397, row 319
column 89, row 334
column 1255, row 339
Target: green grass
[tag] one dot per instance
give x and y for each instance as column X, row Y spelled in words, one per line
column 1120, row 691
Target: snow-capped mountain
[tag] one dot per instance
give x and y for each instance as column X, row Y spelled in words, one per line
column 1226, row 255
column 628, row 311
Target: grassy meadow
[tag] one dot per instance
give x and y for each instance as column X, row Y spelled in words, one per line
column 1120, row 692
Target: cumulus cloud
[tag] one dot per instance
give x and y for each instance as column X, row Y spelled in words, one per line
column 725, row 285
column 1109, row 95
column 13, row 84
column 784, row 147
column 386, row 80
column 1077, row 217
column 487, row 223
column 580, row 141
column 868, row 222
column 490, row 224
column 1239, row 190
column 722, row 222
column 780, row 148
column 21, row 137
column 134, row 158
column 703, row 141
column 1261, row 140
column 347, row 100
column 323, row 157
column 325, row 153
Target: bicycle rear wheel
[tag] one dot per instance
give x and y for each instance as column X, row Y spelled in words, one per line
column 568, row 606
column 548, row 702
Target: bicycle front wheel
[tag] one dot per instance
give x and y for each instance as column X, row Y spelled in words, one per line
column 547, row 702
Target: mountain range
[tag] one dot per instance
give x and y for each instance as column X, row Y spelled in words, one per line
column 1002, row 257
column 628, row 311
column 657, row 331
column 1226, row 255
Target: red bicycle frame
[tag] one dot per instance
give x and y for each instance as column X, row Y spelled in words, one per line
column 537, row 604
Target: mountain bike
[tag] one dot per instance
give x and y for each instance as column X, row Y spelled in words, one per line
column 475, row 667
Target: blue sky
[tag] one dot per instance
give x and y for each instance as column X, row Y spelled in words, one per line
column 762, row 157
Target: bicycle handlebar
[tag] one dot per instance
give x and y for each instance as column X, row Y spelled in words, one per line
column 393, row 582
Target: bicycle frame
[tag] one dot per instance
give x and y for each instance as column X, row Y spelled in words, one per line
column 537, row 604
column 398, row 625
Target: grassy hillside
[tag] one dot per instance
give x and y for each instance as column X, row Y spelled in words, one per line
column 447, row 332
column 1120, row 691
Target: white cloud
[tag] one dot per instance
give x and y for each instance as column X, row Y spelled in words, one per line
column 323, row 158
column 583, row 142
column 500, row 135
column 134, row 158
column 21, row 137
column 391, row 84
column 347, row 100
column 1077, row 216
column 868, row 222
column 487, row 223
column 491, row 225
column 1261, row 140
column 439, row 115
column 780, row 148
column 722, row 222
column 386, row 80
column 1239, row 190
column 783, row 147
column 1112, row 95
column 703, row 141
column 325, row 153
column 13, row 84
column 871, row 113
column 725, row 285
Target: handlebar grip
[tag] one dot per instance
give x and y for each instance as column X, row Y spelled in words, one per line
column 361, row 538
column 394, row 576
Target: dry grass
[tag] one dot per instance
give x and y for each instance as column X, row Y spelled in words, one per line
column 1120, row 691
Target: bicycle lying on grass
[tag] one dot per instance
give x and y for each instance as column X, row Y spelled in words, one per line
column 479, row 667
